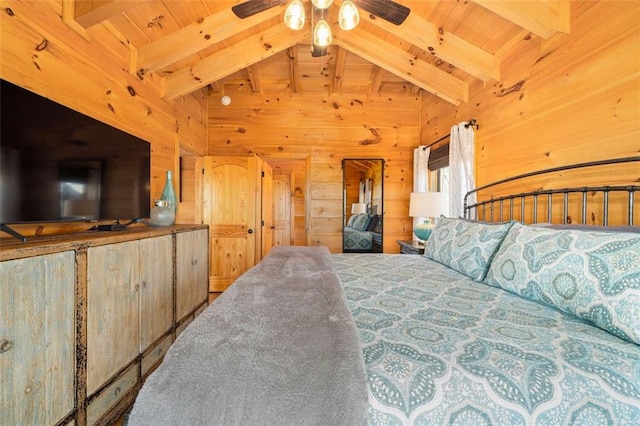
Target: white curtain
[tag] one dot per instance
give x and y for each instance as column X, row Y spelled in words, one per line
column 461, row 165
column 420, row 174
column 421, row 168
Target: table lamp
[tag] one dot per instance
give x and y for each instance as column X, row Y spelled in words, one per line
column 358, row 208
column 427, row 205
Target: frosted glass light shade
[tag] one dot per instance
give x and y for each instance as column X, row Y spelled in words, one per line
column 322, row 34
column 349, row 18
column 294, row 16
column 322, row 4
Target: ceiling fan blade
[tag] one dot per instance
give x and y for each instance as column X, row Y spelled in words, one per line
column 385, row 9
column 251, row 7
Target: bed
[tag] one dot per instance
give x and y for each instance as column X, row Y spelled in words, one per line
column 363, row 233
column 441, row 348
column 498, row 323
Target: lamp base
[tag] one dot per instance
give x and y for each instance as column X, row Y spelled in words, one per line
column 423, row 230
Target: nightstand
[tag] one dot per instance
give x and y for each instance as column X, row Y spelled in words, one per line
column 411, row 247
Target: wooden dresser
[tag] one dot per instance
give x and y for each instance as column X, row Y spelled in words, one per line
column 85, row 318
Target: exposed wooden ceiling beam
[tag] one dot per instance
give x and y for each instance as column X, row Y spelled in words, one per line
column 90, row 13
column 362, row 165
column 338, row 70
column 513, row 42
column 542, row 17
column 403, row 64
column 294, row 70
column 69, row 18
column 194, row 38
column 376, row 80
column 254, row 78
column 227, row 61
column 446, row 46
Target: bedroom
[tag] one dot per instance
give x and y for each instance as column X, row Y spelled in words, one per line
column 570, row 95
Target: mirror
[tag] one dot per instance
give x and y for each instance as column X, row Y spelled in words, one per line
column 362, row 210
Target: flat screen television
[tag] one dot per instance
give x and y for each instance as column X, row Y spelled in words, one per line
column 57, row 164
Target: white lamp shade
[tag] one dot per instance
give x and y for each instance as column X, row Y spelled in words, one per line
column 358, row 208
column 428, row 204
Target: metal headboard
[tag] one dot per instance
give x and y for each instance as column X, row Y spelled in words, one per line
column 507, row 206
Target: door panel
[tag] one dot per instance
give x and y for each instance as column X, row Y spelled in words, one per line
column 230, row 197
column 37, row 319
column 192, row 255
column 156, row 288
column 267, row 209
column 282, row 213
column 113, row 298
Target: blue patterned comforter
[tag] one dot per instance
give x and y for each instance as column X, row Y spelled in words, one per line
column 440, row 348
column 358, row 240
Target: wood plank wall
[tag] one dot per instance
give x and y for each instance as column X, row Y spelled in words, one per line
column 325, row 129
column 574, row 98
column 39, row 52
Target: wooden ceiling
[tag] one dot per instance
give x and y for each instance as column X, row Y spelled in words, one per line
column 442, row 47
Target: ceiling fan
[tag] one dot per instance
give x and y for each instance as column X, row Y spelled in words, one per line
column 348, row 16
column 386, row 9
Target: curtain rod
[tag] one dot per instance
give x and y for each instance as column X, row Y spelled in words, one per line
column 470, row 123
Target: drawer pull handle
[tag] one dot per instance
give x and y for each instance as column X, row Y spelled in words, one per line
column 5, row 345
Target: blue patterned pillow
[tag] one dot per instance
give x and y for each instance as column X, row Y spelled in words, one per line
column 591, row 275
column 351, row 220
column 360, row 222
column 465, row 246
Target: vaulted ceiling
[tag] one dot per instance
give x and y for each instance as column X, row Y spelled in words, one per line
column 442, row 47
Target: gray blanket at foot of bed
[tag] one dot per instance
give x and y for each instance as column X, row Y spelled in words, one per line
column 278, row 347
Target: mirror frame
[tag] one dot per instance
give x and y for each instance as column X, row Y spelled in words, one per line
column 363, row 192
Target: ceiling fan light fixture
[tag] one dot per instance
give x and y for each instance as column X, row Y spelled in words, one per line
column 294, row 16
column 322, row 34
column 322, row 4
column 349, row 18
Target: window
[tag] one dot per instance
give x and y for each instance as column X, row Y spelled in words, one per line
column 439, row 169
column 439, row 179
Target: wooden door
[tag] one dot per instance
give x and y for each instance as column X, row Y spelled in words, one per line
column 37, row 330
column 267, row 209
column 156, row 288
column 113, row 322
column 282, row 212
column 230, row 204
column 192, row 257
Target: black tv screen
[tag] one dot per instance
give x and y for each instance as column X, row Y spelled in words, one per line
column 57, row 164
